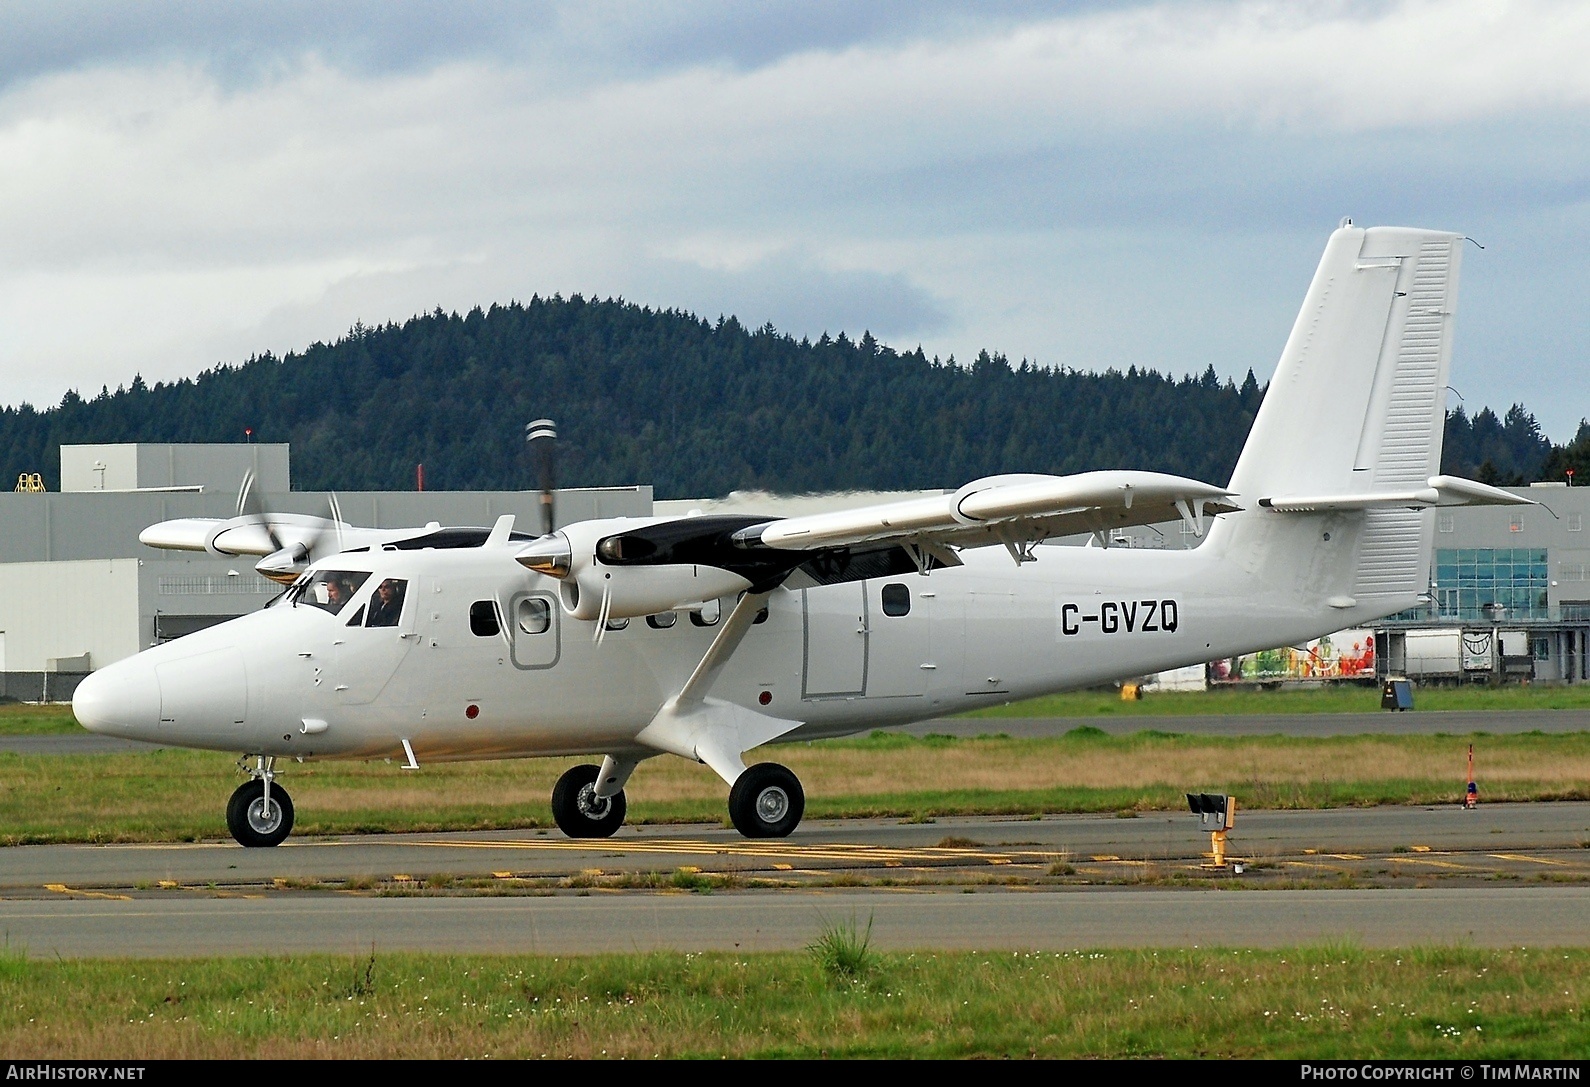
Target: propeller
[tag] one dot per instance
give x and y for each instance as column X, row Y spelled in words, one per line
column 289, row 557
column 541, row 436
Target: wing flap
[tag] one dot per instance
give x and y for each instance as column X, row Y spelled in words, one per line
column 1002, row 510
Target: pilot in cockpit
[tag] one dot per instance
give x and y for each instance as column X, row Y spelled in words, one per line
column 336, row 594
column 386, row 604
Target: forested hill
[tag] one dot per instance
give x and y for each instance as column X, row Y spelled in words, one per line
column 662, row 397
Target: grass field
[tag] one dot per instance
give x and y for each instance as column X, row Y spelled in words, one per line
column 1341, row 698
column 172, row 794
column 839, row 999
column 19, row 718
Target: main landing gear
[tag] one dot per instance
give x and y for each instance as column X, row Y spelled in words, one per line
column 260, row 812
column 766, row 802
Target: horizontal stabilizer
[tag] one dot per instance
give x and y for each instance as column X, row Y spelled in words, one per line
column 1439, row 491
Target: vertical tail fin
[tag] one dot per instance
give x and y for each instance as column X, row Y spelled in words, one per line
column 1356, row 407
column 1357, row 403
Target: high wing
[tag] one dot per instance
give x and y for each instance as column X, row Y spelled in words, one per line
column 1015, row 511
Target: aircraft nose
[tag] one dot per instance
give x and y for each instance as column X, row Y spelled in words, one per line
column 121, row 699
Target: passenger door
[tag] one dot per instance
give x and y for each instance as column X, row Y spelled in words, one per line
column 900, row 620
column 834, row 640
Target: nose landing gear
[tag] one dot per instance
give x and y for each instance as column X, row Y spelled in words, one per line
column 579, row 811
column 260, row 812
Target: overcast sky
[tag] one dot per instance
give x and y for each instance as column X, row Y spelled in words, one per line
column 1086, row 185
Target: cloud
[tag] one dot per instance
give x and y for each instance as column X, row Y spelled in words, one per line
column 1088, row 186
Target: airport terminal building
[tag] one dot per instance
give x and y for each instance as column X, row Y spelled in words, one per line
column 1509, row 600
column 78, row 591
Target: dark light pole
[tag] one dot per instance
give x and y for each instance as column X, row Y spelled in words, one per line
column 540, row 435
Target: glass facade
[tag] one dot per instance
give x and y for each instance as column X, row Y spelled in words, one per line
column 1491, row 583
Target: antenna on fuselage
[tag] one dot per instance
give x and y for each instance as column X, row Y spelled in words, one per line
column 541, row 435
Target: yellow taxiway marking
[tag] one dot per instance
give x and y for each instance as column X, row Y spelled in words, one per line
column 1342, row 856
column 1436, row 864
column 503, row 875
column 167, row 883
column 1420, row 848
column 61, row 888
column 1314, row 864
column 1532, row 860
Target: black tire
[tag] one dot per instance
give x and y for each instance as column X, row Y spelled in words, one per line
column 767, row 801
column 578, row 810
column 250, row 824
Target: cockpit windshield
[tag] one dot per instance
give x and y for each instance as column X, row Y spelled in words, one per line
column 329, row 590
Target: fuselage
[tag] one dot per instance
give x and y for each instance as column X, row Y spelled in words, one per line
column 480, row 661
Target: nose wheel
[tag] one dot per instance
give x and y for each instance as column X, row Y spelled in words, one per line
column 579, row 812
column 257, row 819
column 766, row 801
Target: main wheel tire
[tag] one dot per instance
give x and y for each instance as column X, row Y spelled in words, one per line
column 767, row 801
column 249, row 821
column 579, row 812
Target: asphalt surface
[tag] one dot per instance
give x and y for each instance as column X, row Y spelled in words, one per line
column 818, row 846
column 1497, row 876
column 769, row 920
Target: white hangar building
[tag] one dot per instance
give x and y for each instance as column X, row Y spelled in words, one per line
column 78, row 591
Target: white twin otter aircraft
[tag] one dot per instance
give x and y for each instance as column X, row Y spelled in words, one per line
column 708, row 636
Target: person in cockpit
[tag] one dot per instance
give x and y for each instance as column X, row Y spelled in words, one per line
column 336, row 594
column 386, row 604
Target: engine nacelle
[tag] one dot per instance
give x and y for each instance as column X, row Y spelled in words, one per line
column 633, row 591
column 631, row 585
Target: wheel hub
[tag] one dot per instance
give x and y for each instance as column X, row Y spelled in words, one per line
column 772, row 804
column 592, row 806
column 261, row 820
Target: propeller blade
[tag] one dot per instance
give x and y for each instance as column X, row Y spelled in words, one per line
column 250, row 505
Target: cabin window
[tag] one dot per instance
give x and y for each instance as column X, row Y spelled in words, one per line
column 662, row 620
column 535, row 615
column 330, row 590
column 617, row 624
column 709, row 614
column 483, row 619
column 386, row 603
column 761, row 615
column 896, row 600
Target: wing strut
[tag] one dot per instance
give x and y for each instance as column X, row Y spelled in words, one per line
column 711, row 730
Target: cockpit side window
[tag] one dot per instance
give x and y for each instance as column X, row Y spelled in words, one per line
column 330, row 590
column 386, row 603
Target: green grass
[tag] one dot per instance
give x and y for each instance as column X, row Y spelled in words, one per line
column 22, row 719
column 19, row 718
column 166, row 795
column 1341, row 698
column 1332, row 1001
